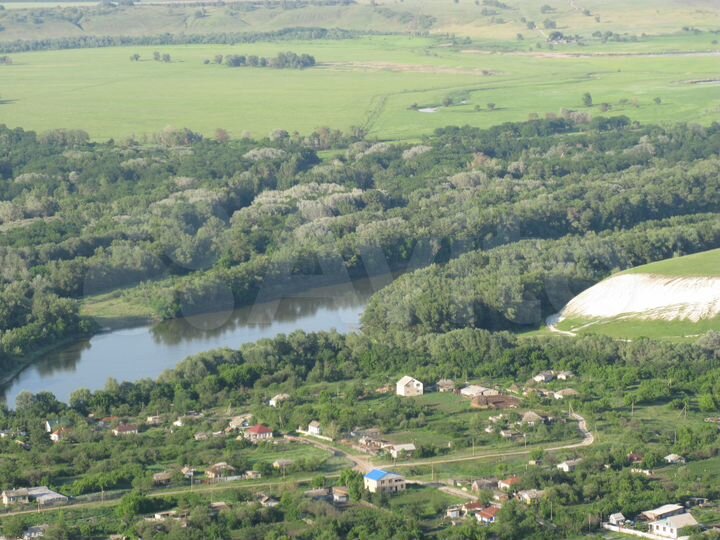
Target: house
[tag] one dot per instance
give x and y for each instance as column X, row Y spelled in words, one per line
column 500, row 498
column 377, row 481
column 252, row 475
column 188, row 472
column 319, row 494
column 472, row 507
column 125, row 429
column 46, row 497
column 60, row 434
column 240, row 422
column 495, row 402
column 567, row 393
column 201, row 436
column 38, row 531
column 282, row 463
column 644, row 472
column 153, row 420
column 220, row 470
column 507, row 433
column 569, row 465
column 340, row 494
column 259, row 432
column 663, row 512
column 530, row 496
column 453, row 512
column 445, row 385
column 488, row 515
column 670, row 527
column 268, row 502
column 162, row 478
column 531, row 418
column 509, row 483
column 564, row 375
column 674, row 459
column 635, row 458
column 15, row 496
column 484, row 484
column 544, row 376
column 401, row 450
column 474, row 390
column 408, row 387
column 275, row 401
column 314, row 428
column 617, row 519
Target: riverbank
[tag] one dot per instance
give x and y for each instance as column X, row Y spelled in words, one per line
column 24, row 362
column 115, row 311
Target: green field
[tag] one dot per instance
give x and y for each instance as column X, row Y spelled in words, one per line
column 370, row 82
column 705, row 264
column 626, row 328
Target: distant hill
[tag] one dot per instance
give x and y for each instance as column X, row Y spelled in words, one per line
column 486, row 20
column 674, row 298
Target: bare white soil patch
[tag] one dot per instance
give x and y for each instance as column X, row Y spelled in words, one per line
column 647, row 296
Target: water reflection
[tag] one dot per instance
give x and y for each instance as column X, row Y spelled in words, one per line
column 146, row 351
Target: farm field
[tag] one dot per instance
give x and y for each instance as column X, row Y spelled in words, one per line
column 377, row 83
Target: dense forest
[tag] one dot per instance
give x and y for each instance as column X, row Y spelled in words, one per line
column 182, row 219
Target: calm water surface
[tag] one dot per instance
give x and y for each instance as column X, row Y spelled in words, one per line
column 147, row 351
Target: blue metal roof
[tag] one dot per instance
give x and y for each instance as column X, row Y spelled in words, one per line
column 376, row 474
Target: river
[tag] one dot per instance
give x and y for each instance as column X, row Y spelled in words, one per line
column 145, row 352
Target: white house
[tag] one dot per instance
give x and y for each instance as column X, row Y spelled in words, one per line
column 569, row 465
column 398, row 450
column 314, row 428
column 544, row 376
column 670, row 527
column 674, row 459
column 377, row 481
column 565, row 375
column 474, row 390
column 408, row 387
column 617, row 519
column 15, row 496
column 340, row 494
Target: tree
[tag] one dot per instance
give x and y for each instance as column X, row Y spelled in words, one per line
column 657, row 101
column 132, row 505
column 13, row 527
column 491, row 106
column 135, row 57
column 587, row 99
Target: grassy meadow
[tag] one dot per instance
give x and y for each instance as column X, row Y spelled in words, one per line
column 371, row 82
column 705, row 264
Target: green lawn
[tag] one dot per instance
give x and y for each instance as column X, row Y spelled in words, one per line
column 370, row 82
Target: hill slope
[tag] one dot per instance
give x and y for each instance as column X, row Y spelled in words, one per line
column 674, row 298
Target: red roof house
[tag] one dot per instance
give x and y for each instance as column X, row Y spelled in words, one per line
column 259, row 432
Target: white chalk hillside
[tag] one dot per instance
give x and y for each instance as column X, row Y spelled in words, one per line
column 647, row 296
